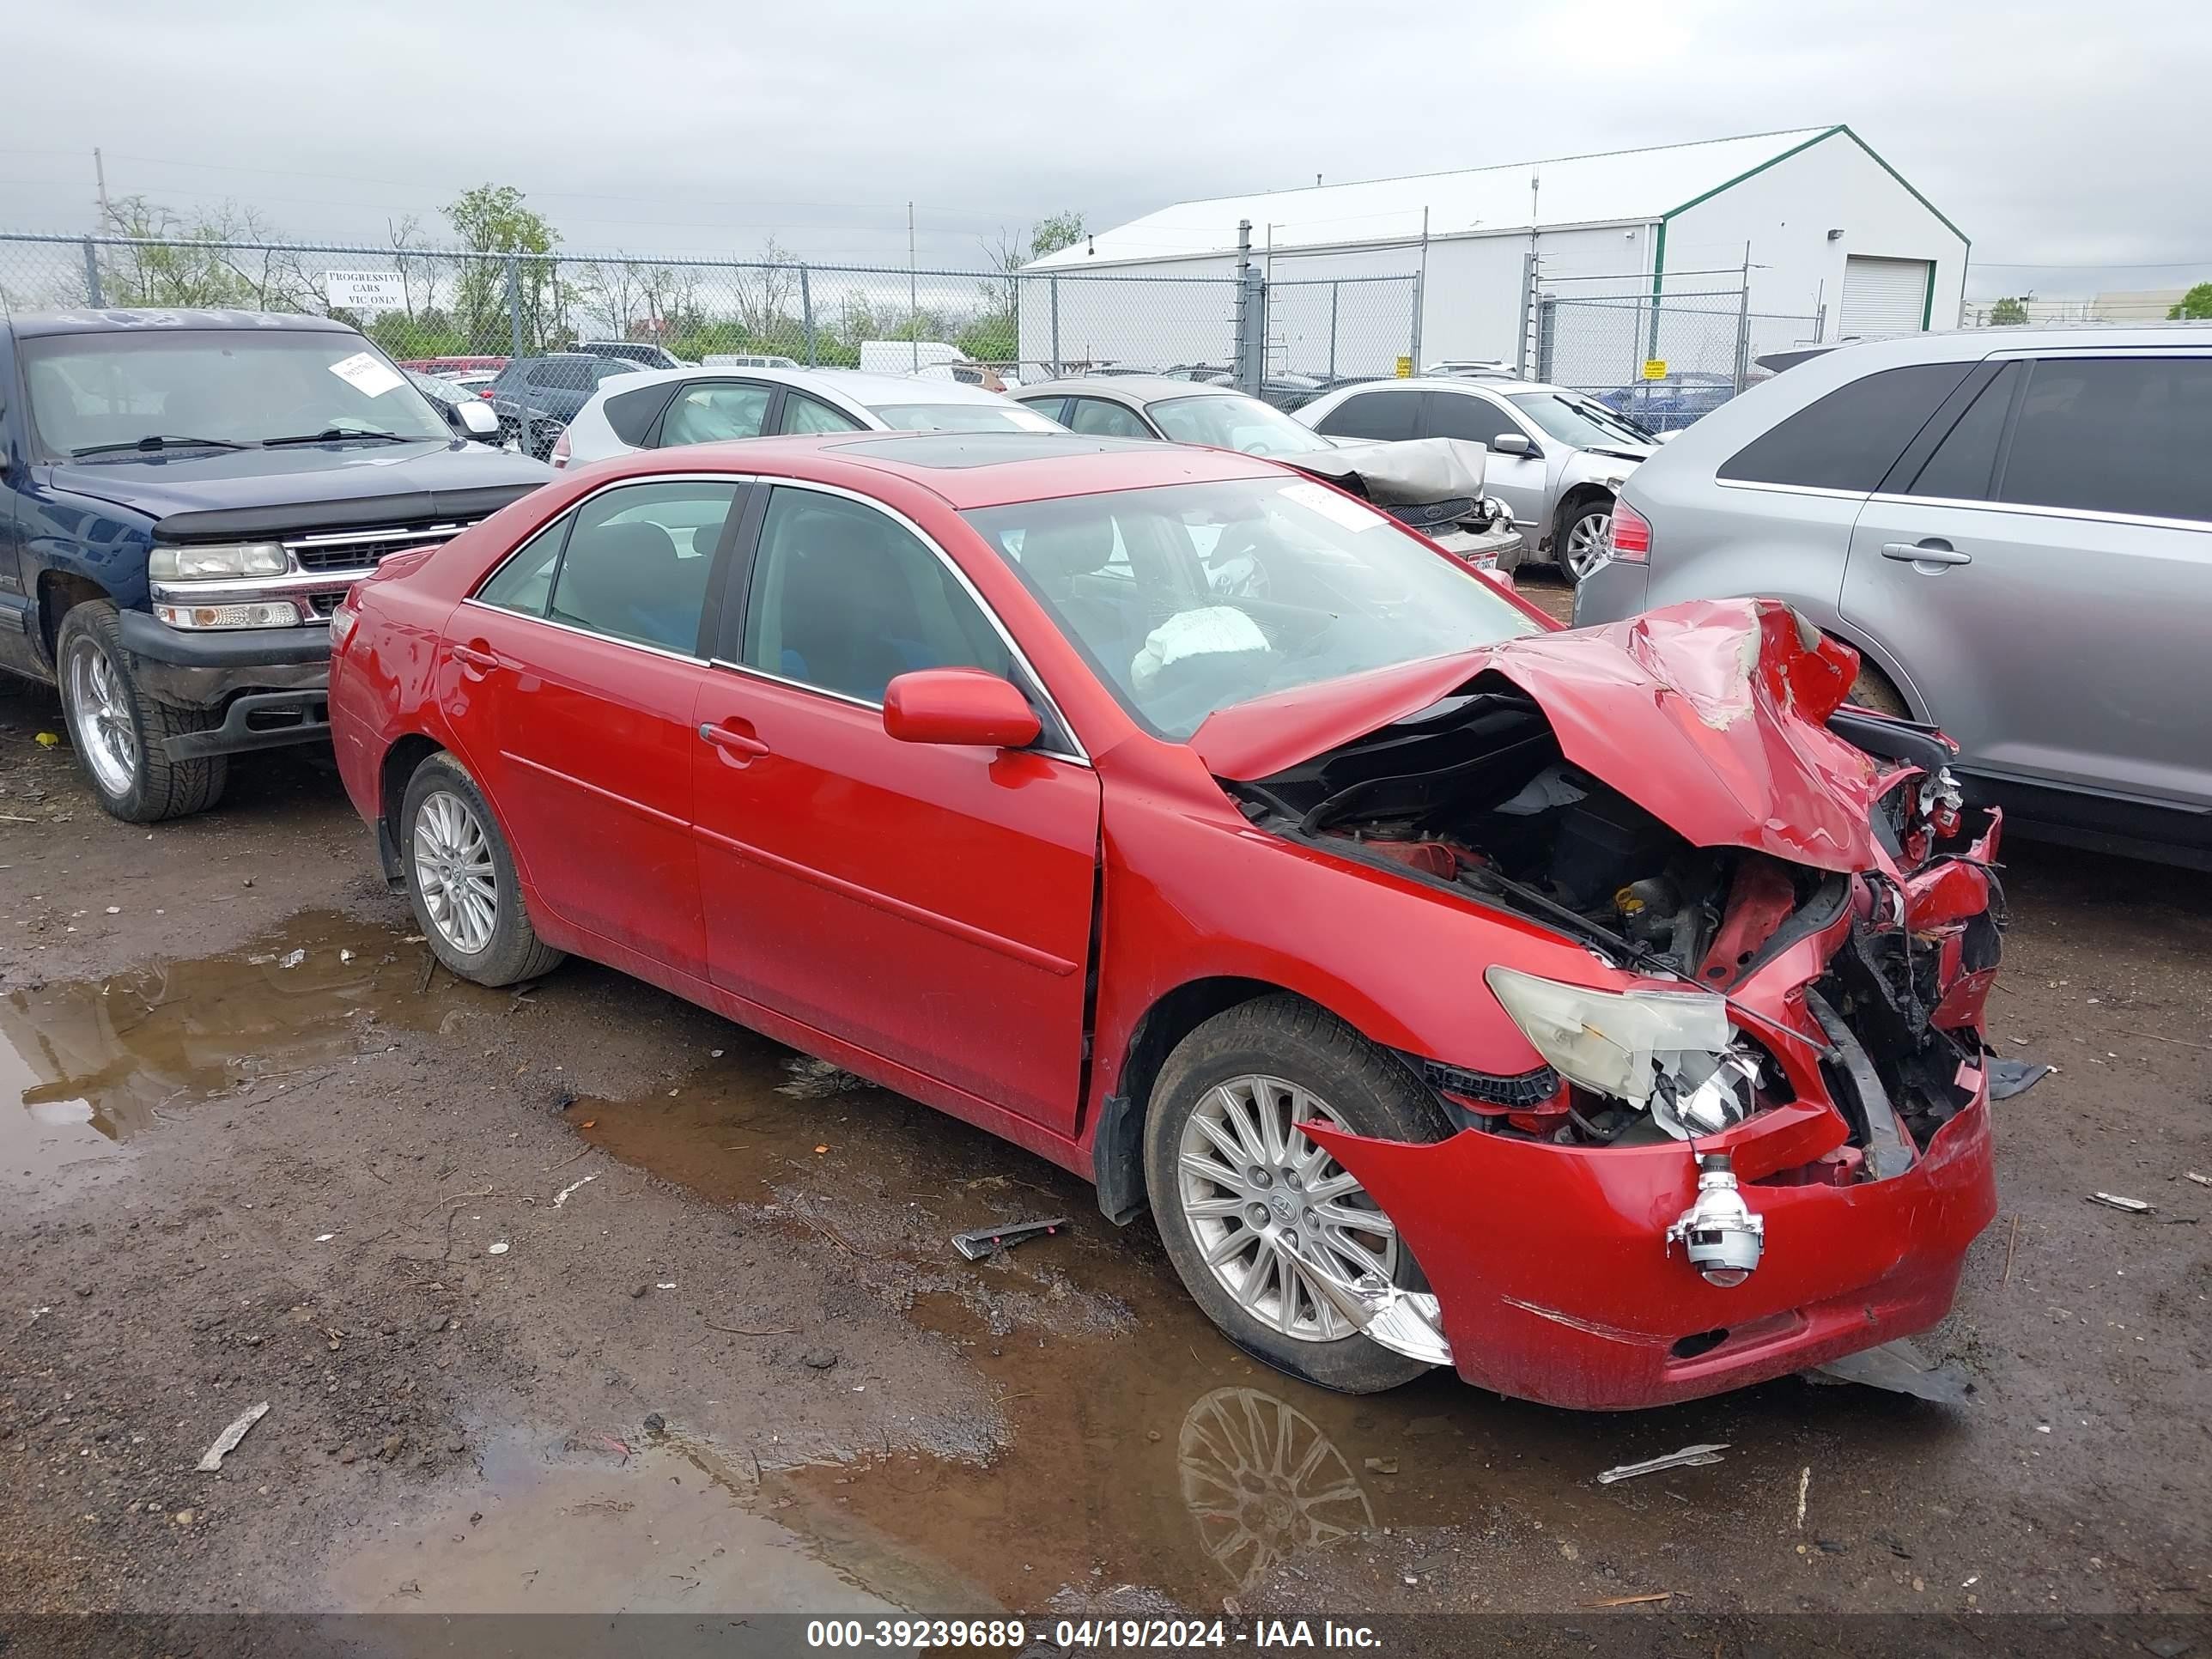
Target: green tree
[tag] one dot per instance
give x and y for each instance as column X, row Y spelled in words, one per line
column 195, row 266
column 492, row 219
column 1051, row 234
column 2196, row 306
column 2008, row 313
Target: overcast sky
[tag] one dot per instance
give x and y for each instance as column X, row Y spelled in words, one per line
column 2068, row 141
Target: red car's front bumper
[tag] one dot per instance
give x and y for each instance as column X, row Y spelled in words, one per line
column 1553, row 1284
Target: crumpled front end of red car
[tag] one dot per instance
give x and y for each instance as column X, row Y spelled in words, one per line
column 1760, row 1137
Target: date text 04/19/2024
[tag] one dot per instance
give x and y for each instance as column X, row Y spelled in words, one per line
column 1088, row 1635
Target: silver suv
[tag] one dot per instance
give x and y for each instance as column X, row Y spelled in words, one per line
column 1557, row 458
column 2014, row 526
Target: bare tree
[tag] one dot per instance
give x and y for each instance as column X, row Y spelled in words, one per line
column 765, row 295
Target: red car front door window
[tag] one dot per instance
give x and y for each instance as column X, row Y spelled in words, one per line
column 929, row 903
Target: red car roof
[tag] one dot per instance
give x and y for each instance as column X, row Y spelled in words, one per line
column 976, row 469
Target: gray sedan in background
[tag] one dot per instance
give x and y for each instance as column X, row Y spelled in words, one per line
column 2013, row 526
column 1434, row 487
column 1557, row 458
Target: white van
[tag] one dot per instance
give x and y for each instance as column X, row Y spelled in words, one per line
column 905, row 356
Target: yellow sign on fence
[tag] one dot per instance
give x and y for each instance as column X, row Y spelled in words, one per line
column 1654, row 368
column 1405, row 369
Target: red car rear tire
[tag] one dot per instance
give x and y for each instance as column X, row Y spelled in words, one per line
column 461, row 879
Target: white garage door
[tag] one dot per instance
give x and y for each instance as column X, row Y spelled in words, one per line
column 1885, row 296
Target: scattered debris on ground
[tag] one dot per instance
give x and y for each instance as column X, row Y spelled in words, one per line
column 1688, row 1457
column 977, row 1242
column 1900, row 1368
column 227, row 1442
column 2114, row 1201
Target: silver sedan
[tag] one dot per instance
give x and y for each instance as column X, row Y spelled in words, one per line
column 1436, row 488
column 1557, row 458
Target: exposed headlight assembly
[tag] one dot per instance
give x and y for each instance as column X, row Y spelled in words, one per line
column 1618, row 1042
column 1720, row 1234
column 1672, row 1051
column 225, row 561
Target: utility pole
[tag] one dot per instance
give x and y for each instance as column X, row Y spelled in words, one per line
column 1531, row 309
column 1421, row 291
column 1743, row 323
column 913, row 305
column 99, row 172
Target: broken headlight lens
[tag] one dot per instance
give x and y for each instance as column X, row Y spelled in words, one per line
column 1614, row 1041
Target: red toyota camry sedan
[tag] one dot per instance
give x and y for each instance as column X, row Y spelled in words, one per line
column 1598, row 1013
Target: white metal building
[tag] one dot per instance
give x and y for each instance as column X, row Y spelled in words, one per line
column 1833, row 235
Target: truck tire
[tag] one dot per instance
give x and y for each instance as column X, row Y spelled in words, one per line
column 1281, row 1056
column 461, row 879
column 117, row 730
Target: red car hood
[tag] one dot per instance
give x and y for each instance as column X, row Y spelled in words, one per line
column 1707, row 714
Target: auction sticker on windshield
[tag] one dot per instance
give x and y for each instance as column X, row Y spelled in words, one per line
column 1337, row 510
column 367, row 373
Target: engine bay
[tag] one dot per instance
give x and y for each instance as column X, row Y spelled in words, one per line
column 1474, row 794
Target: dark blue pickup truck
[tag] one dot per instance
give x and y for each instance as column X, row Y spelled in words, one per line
column 184, row 497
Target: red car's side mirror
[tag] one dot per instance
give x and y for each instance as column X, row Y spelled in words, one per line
column 958, row 706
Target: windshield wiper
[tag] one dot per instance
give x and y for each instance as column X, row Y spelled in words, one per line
column 156, row 440
column 331, row 434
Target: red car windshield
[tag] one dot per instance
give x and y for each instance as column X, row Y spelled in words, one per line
column 1193, row 598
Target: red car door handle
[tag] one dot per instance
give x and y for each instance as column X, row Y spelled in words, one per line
column 469, row 656
column 737, row 742
column 1928, row 552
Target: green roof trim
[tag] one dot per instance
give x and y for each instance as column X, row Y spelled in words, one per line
column 1659, row 246
column 1794, row 149
column 1907, row 183
column 1822, row 138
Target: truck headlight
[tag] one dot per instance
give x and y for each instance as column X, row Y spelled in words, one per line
column 1617, row 1042
column 216, row 563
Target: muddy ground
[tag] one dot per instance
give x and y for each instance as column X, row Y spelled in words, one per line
column 581, row 1298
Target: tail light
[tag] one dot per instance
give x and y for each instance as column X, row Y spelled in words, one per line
column 485, row 394
column 1629, row 535
column 560, row 456
column 341, row 622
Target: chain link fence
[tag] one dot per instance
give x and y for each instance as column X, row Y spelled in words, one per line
column 1705, row 347
column 451, row 310
column 1334, row 328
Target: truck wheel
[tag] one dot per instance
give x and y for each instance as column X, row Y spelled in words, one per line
column 117, row 730
column 1227, row 1171
column 461, row 881
column 1578, row 543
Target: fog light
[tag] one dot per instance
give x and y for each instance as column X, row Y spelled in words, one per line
column 263, row 613
column 1719, row 1233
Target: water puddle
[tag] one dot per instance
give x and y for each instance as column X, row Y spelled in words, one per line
column 87, row 1065
column 1144, row 1449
